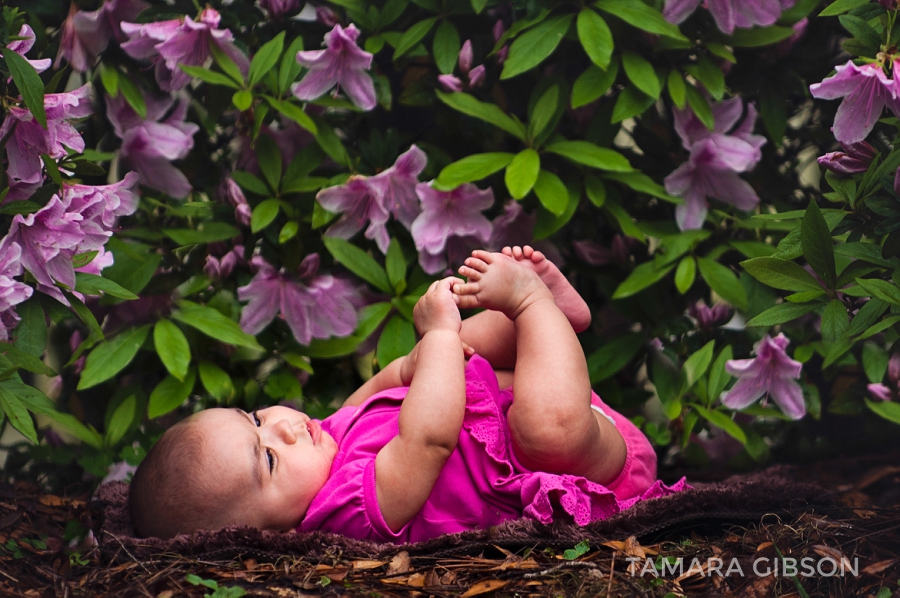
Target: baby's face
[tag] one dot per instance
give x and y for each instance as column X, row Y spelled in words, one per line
column 276, row 460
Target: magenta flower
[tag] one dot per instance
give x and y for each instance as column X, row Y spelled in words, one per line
column 514, row 226
column 181, row 41
column 342, row 63
column 716, row 158
column 729, row 14
column 771, row 372
column 103, row 259
column 234, row 195
column 475, row 76
column 30, row 139
column 279, row 9
column 22, row 46
column 446, row 214
column 326, row 16
column 150, row 146
column 324, row 307
column 592, row 252
column 880, row 392
column 371, row 200
column 107, row 202
column 12, row 292
column 865, row 90
column 855, row 158
column 84, row 35
column 707, row 317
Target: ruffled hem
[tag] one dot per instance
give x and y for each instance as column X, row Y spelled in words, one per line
column 543, row 495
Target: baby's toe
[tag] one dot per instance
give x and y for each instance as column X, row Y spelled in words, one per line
column 507, row 251
column 469, row 273
column 517, row 252
column 478, row 263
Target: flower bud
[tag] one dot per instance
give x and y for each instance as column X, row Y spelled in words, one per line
column 465, row 57
column 476, row 76
column 894, row 368
column 450, row 83
column 880, row 392
column 855, row 158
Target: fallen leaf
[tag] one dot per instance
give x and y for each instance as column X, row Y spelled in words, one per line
column 250, row 564
column 829, row 552
column 367, row 564
column 763, row 546
column 416, row 580
column 633, row 548
column 483, row 587
column 879, row 566
column 401, row 563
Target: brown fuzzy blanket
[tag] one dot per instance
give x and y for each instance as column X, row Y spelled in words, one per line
column 737, row 500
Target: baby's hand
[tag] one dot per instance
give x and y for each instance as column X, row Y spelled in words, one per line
column 437, row 309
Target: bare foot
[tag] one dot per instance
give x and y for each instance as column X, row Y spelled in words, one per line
column 567, row 298
column 499, row 282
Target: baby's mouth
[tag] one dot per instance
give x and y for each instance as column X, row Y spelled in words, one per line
column 315, row 431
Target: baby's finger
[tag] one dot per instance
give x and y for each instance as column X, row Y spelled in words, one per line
column 467, row 350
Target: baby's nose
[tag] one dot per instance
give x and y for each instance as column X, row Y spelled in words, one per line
column 285, row 431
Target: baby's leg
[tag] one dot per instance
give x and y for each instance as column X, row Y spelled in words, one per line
column 493, row 335
column 552, row 424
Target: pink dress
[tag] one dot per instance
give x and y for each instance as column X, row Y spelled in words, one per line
column 482, row 484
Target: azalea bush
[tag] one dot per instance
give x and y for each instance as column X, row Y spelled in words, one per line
column 239, row 203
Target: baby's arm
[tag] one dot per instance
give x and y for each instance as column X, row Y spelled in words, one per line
column 432, row 413
column 389, row 377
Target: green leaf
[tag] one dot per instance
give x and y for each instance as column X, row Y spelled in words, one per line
column 718, row 377
column 490, row 113
column 522, row 173
column 31, row 332
column 250, row 182
column 696, row 365
column 781, row 313
column 14, row 409
column 330, row 142
column 84, row 314
column 289, row 67
column 445, row 47
column 722, row 50
column 878, row 328
column 293, row 112
column 640, row 278
column 721, row 420
column 133, row 96
column 269, row 160
column 875, row 362
column 638, row 14
column 781, row 274
column 397, row 339
column 206, row 232
column 595, row 190
column 585, row 152
column 471, row 168
column 207, row 75
column 288, row 232
column 29, row 84
column 109, row 76
column 264, row 214
column 685, row 274
column 595, row 37
column 642, row 183
column 861, row 30
column 641, row 73
column 216, row 381
column 226, row 63
column 759, row 36
column 593, row 83
column 91, row 284
column 543, row 112
column 551, row 192
column 723, row 281
column 478, row 5
column 413, row 36
column 613, row 356
column 109, row 358
column 266, row 58
column 242, row 99
column 172, row 347
column 888, row 410
column 867, row 315
column 700, row 106
column 122, row 418
column 710, row 75
column 26, row 361
column 818, row 247
column 884, row 290
column 535, row 45
column 630, row 102
column 358, row 261
column 170, row 393
column 213, row 324
column 840, row 7
column 677, row 88
column 395, row 265
column 834, row 321
column 35, row 401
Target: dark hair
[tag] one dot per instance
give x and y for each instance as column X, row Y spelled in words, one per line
column 171, row 493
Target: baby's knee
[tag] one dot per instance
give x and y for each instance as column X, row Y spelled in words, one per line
column 553, row 443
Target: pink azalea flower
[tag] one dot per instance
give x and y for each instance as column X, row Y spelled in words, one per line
column 514, row 226
column 181, row 41
column 446, row 214
column 592, row 252
column 84, row 34
column 771, row 372
column 881, row 392
column 475, row 76
column 12, row 292
column 322, row 307
column 865, row 90
column 234, row 195
column 342, row 63
column 150, row 146
column 30, row 139
column 373, row 199
column 716, row 158
column 279, row 9
column 729, row 14
column 855, row 158
column 118, row 199
column 707, row 317
column 326, row 16
column 103, row 259
column 22, row 46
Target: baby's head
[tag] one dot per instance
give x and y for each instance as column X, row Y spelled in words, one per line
column 224, row 467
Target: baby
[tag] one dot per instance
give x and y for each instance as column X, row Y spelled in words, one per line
column 514, row 432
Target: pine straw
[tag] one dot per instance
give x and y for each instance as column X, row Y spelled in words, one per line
column 870, row 534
